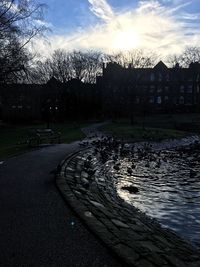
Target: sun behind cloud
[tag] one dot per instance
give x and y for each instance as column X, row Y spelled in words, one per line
column 152, row 25
column 125, row 40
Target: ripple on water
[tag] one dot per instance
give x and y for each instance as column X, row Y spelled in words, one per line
column 166, row 191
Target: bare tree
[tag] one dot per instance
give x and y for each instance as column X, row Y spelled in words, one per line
column 20, row 21
column 93, row 67
column 86, row 65
column 62, row 65
column 78, row 64
column 58, row 65
column 191, row 54
column 137, row 58
column 174, row 60
column 39, row 72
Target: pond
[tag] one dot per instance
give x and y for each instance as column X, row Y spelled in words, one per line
column 168, row 187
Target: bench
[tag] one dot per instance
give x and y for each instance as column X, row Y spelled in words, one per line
column 39, row 136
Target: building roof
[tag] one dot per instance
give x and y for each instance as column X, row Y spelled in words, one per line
column 161, row 66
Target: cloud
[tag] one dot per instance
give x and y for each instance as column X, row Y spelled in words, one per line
column 162, row 26
column 101, row 9
column 40, row 22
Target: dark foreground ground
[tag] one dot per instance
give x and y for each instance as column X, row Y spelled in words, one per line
column 37, row 228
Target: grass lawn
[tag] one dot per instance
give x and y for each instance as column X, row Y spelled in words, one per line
column 153, row 127
column 137, row 133
column 164, row 121
column 13, row 137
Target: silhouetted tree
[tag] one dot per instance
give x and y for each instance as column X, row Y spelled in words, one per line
column 137, row 58
column 83, row 66
column 94, row 62
column 58, row 66
column 61, row 65
column 20, row 22
column 86, row 65
column 174, row 60
column 39, row 72
column 190, row 55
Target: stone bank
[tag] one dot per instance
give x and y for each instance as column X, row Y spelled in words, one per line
column 139, row 240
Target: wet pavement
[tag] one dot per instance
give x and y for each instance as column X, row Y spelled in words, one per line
column 37, row 228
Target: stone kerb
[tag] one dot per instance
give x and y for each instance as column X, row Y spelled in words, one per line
column 137, row 239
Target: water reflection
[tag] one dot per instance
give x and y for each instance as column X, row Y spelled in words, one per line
column 169, row 188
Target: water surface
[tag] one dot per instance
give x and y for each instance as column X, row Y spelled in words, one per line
column 169, row 188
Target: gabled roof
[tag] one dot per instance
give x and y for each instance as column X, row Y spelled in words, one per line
column 53, row 81
column 161, row 66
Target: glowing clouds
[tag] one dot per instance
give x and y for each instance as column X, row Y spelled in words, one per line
column 152, row 25
column 125, row 40
column 101, row 9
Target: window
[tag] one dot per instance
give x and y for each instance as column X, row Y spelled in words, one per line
column 197, row 88
column 159, row 89
column 152, row 88
column 152, row 77
column 182, row 89
column 21, row 97
column 166, row 99
column 159, row 100
column 160, row 77
column 137, row 100
column 181, row 100
column 151, row 99
column 189, row 88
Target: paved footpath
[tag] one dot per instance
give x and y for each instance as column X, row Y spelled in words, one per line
column 37, row 228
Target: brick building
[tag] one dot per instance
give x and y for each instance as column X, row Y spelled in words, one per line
column 119, row 92
column 53, row 100
column 127, row 90
column 26, row 102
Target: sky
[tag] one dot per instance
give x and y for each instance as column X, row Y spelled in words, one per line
column 164, row 26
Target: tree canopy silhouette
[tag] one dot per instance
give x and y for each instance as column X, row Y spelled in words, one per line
column 20, row 22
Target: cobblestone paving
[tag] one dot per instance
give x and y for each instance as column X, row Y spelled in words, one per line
column 139, row 240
